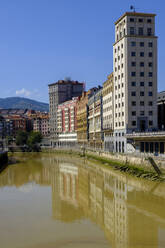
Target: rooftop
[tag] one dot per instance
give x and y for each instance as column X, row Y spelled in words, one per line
column 66, row 82
column 135, row 14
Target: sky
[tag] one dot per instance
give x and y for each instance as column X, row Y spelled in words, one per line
column 42, row 41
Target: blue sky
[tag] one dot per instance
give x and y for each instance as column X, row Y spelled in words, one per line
column 42, row 41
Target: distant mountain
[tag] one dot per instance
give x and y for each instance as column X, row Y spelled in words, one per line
column 23, row 103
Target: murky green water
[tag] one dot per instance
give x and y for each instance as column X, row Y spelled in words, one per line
column 47, row 201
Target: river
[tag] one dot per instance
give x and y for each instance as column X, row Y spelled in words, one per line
column 52, row 201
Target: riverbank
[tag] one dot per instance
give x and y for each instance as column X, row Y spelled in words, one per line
column 123, row 163
column 3, row 160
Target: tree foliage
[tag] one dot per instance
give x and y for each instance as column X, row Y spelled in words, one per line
column 30, row 141
column 33, row 141
column 21, row 138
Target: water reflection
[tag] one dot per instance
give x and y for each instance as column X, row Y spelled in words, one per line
column 130, row 211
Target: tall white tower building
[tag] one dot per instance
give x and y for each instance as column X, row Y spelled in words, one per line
column 135, row 77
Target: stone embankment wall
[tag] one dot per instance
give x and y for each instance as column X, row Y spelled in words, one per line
column 140, row 161
column 3, row 160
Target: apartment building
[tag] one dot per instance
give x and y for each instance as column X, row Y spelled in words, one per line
column 41, row 124
column 161, row 110
column 59, row 92
column 82, row 117
column 67, row 123
column 108, row 106
column 135, row 77
column 95, row 119
column 82, row 127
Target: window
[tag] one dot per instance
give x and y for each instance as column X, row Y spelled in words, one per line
column 150, row 84
column 115, row 50
column 150, row 44
column 118, row 48
column 150, row 123
column 142, row 103
column 150, row 74
column 133, row 113
column 133, row 83
column 122, row 65
column 122, row 75
column 141, row 93
column 150, row 93
column 150, row 54
column 121, row 45
column 149, row 20
column 122, row 55
column 133, row 123
column 150, row 104
column 140, row 31
column 133, row 43
column 132, row 30
column 149, row 31
column 133, row 73
column 142, row 74
column 133, row 54
column 141, row 44
column 140, row 20
column 133, row 93
column 133, row 103
column 141, row 64
column 142, row 113
column 150, row 64
column 141, row 83
column 150, row 113
column 132, row 19
column 133, row 63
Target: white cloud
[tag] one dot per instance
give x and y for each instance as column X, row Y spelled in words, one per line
column 23, row 92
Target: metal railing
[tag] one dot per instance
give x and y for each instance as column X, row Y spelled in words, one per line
column 140, row 134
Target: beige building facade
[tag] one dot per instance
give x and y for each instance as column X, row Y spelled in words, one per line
column 135, row 77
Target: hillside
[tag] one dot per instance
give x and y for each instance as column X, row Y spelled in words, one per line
column 23, row 103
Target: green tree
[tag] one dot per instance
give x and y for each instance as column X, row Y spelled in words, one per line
column 21, row 138
column 33, row 141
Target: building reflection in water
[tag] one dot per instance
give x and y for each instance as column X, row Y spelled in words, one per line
column 130, row 211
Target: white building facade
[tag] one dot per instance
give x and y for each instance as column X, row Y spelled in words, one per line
column 108, row 106
column 135, row 77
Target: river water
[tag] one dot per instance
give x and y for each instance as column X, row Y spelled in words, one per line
column 50, row 201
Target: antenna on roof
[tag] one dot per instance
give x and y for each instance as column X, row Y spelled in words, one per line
column 132, row 8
